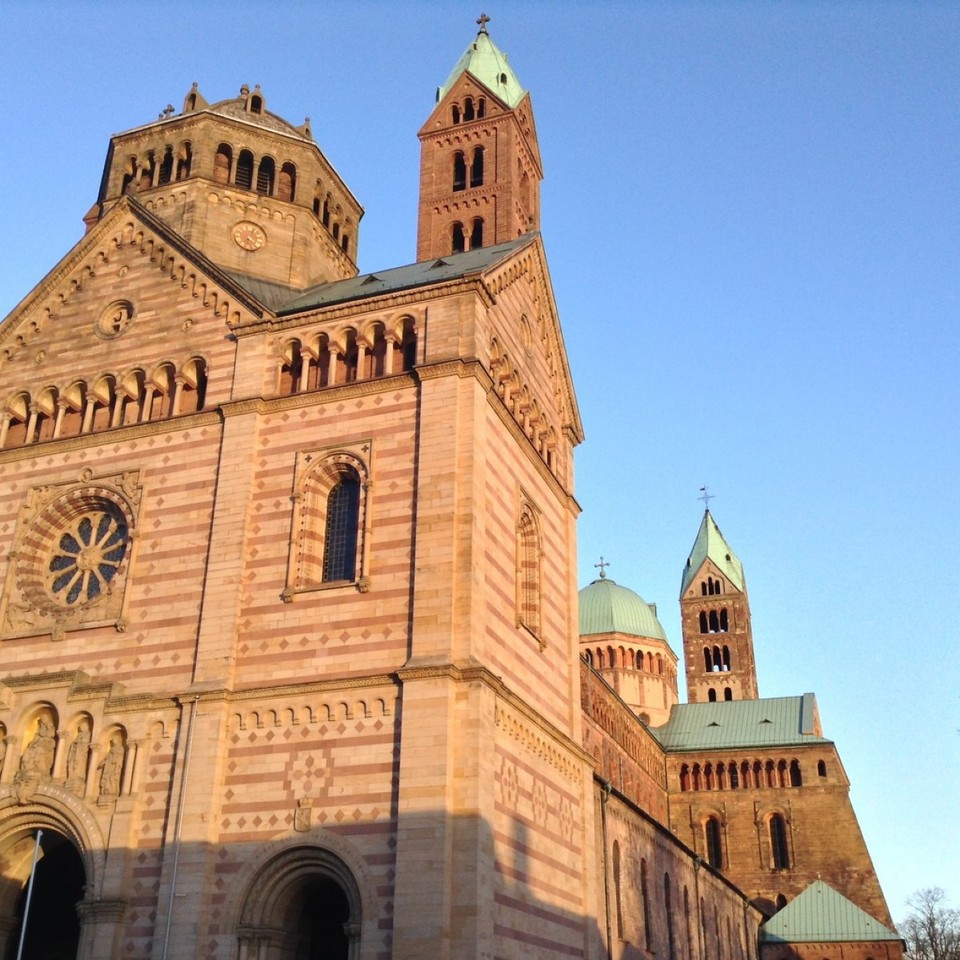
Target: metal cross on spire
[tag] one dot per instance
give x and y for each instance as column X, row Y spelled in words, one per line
column 603, row 564
column 706, row 498
column 483, row 20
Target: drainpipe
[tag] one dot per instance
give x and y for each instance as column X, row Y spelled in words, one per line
column 179, row 825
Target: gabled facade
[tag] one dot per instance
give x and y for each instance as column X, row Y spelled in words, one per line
column 289, row 638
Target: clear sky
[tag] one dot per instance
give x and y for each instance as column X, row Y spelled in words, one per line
column 752, row 216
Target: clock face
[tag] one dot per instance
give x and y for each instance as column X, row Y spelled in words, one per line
column 248, row 235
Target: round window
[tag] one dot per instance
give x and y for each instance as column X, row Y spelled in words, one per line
column 87, row 556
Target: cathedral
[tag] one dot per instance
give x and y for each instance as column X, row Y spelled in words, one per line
column 294, row 663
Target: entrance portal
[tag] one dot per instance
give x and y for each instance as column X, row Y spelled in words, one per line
column 53, row 927
column 322, row 911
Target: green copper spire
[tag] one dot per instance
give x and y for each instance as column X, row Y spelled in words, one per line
column 485, row 61
column 711, row 545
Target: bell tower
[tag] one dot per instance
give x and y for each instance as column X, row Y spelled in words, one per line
column 480, row 166
column 715, row 618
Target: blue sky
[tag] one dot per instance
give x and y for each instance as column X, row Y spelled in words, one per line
column 752, row 215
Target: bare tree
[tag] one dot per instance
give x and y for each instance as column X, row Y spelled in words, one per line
column 932, row 928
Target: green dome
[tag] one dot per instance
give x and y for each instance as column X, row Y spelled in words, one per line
column 606, row 607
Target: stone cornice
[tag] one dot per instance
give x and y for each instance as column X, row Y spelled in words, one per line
column 409, row 296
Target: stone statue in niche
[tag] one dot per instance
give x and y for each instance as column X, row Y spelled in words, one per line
column 37, row 760
column 77, row 757
column 111, row 768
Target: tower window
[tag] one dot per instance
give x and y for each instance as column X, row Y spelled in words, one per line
column 778, row 843
column 266, row 174
column 796, row 778
column 468, row 110
column 727, row 693
column 340, row 535
column 476, row 234
column 287, row 184
column 713, row 839
column 459, row 171
column 458, row 240
column 821, row 769
column 703, row 624
column 712, row 695
column 256, row 104
column 166, row 167
column 481, row 108
column 456, row 113
column 244, row 176
column 184, row 156
column 476, row 168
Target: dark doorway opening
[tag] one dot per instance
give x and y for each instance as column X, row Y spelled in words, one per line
column 322, row 913
column 53, row 927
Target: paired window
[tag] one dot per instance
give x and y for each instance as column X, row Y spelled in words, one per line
column 779, row 851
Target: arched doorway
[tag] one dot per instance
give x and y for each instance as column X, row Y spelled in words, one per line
column 303, row 904
column 53, row 925
column 317, row 920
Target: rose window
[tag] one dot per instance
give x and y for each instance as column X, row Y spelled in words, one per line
column 87, row 556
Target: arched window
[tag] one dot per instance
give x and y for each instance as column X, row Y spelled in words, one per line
column 166, row 167
column 481, row 108
column 717, row 660
column 256, row 104
column 74, row 401
column 727, row 693
column 668, row 907
column 468, row 109
column 712, row 836
column 325, row 216
column 459, row 171
column 408, row 344
column 476, row 234
column 291, row 369
column 160, row 391
column 146, row 172
column 696, row 776
column 684, row 778
column 734, row 776
column 745, row 773
column 46, row 414
column 726, row 659
column 714, row 622
column 287, row 184
column 771, row 774
column 708, row 776
column 458, row 240
column 266, row 176
column 821, row 769
column 644, row 894
column 193, row 389
column 455, row 113
column 528, row 572
column 616, row 888
column 184, row 159
column 724, row 624
column 779, row 853
column 703, row 588
column 588, row 656
column 703, row 624
column 796, row 779
column 476, row 168
column 341, row 529
column 222, row 162
column 782, row 773
column 244, row 174
column 102, row 400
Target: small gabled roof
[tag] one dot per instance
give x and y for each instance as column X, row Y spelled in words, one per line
column 426, row 272
column 728, row 724
column 711, row 545
column 822, row 915
column 484, row 60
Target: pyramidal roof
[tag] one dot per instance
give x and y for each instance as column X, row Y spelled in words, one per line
column 710, row 545
column 484, row 60
column 820, row 915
